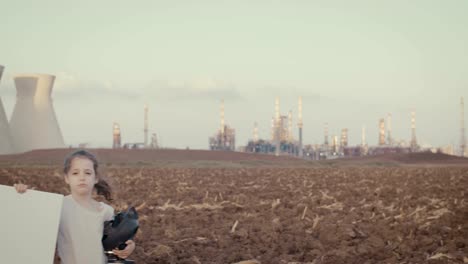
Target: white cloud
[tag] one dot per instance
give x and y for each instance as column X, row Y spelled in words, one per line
column 70, row 85
column 204, row 88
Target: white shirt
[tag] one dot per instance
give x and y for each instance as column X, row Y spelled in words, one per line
column 79, row 239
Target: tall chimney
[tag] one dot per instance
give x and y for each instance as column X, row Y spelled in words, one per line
column 222, row 117
column 414, row 142
column 462, row 128
column 299, row 125
column 381, row 132
column 389, row 129
column 273, row 130
column 277, row 126
column 326, row 135
column 363, row 136
column 344, row 138
column 146, row 125
column 154, row 141
column 116, row 136
column 255, row 132
column 223, row 136
column 290, row 127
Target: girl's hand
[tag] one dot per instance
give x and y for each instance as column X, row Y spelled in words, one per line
column 20, row 188
column 126, row 251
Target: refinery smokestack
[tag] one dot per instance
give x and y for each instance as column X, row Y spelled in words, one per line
column 326, row 134
column 33, row 122
column 277, row 126
column 255, row 132
column 414, row 142
column 154, row 141
column 335, row 143
column 344, row 138
column 116, row 136
column 389, row 129
column 364, row 147
column 462, row 127
column 381, row 132
column 5, row 135
column 145, row 108
column 290, row 127
column 299, row 125
column 363, row 136
column 273, row 124
column 223, row 124
column 222, row 116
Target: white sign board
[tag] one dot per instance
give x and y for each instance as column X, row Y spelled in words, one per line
column 28, row 225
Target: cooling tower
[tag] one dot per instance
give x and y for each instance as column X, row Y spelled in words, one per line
column 5, row 135
column 33, row 123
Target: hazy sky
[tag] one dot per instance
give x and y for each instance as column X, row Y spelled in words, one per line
column 352, row 61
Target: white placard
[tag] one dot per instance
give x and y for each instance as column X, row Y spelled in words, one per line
column 29, row 225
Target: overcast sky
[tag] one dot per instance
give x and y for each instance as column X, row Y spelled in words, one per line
column 352, row 61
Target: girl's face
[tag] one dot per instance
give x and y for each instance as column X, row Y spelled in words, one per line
column 81, row 177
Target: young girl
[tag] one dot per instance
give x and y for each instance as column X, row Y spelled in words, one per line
column 82, row 217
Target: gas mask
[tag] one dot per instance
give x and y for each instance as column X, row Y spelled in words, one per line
column 122, row 228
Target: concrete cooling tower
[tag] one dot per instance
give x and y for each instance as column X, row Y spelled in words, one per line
column 33, row 123
column 5, row 135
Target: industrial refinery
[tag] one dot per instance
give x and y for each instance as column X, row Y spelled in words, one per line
column 33, row 125
column 282, row 141
column 225, row 137
column 116, row 136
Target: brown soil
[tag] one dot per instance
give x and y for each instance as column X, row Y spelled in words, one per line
column 286, row 215
column 403, row 159
column 224, row 159
column 142, row 156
